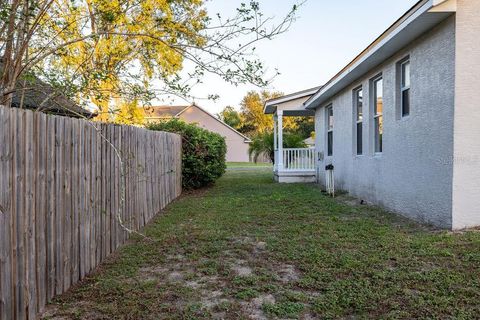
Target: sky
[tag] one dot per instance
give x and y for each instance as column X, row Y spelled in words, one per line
column 326, row 36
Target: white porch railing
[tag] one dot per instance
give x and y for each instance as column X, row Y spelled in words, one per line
column 299, row 159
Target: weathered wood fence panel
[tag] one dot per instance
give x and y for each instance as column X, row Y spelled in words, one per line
column 66, row 186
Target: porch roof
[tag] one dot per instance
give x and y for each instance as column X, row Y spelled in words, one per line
column 291, row 104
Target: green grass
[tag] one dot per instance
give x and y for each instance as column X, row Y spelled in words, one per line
column 248, row 165
column 343, row 261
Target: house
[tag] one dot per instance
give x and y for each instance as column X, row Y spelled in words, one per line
column 55, row 103
column 237, row 143
column 400, row 124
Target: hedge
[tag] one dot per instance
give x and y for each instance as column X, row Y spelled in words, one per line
column 203, row 158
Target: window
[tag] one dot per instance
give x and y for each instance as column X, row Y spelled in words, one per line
column 378, row 113
column 405, row 87
column 329, row 131
column 358, row 112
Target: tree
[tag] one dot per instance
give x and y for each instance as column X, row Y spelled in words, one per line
column 252, row 109
column 130, row 113
column 251, row 120
column 99, row 50
column 255, row 120
column 231, row 117
column 305, row 126
column 263, row 144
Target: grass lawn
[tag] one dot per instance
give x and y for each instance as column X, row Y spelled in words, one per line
column 248, row 165
column 252, row 249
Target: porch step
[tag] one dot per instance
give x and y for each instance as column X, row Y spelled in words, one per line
column 291, row 176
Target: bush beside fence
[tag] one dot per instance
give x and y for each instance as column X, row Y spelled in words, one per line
column 60, row 199
column 203, row 159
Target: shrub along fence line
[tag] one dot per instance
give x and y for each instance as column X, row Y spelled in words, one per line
column 60, row 199
column 203, row 158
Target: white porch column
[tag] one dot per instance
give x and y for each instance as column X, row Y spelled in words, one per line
column 280, row 139
column 275, row 144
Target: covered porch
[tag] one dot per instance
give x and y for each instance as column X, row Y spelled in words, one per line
column 291, row 165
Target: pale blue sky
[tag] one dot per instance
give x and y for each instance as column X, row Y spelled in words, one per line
column 327, row 35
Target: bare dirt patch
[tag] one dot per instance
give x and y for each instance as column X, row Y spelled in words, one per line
column 254, row 307
column 241, row 268
column 287, row 273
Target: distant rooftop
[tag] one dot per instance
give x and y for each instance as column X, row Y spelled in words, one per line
column 163, row 111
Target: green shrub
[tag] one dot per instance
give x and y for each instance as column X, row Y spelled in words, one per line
column 203, row 158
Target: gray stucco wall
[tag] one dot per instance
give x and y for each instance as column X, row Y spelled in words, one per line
column 413, row 175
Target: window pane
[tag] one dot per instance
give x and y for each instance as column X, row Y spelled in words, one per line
column 406, row 102
column 406, row 74
column 330, row 118
column 379, row 134
column 378, row 96
column 359, row 138
column 359, row 104
column 330, row 143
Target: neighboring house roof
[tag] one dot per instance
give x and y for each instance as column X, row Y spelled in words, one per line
column 162, row 112
column 423, row 16
column 36, row 92
column 56, row 102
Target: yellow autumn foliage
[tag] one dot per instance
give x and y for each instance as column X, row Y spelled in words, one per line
column 121, row 36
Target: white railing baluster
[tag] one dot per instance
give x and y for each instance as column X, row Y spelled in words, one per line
column 299, row 159
column 296, row 159
column 304, row 154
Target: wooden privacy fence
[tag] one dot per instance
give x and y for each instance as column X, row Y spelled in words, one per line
column 60, row 199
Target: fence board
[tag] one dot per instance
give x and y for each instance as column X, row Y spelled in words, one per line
column 40, row 207
column 134, row 169
column 105, row 239
column 6, row 290
column 98, row 196
column 116, row 189
column 30, row 217
column 155, row 202
column 108, row 189
column 76, row 216
column 68, row 183
column 59, row 199
column 50, row 201
column 90, row 177
column 19, row 249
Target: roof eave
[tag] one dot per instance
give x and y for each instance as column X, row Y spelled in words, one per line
column 270, row 106
column 409, row 27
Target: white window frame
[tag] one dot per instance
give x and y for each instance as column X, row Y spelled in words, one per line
column 329, row 128
column 403, row 87
column 358, row 120
column 377, row 116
